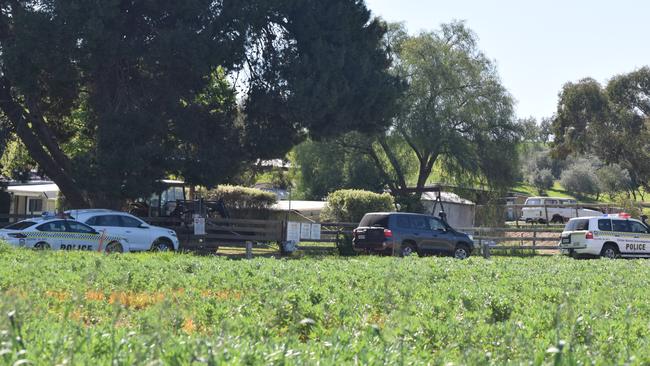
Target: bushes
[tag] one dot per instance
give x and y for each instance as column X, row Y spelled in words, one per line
column 350, row 205
column 613, row 179
column 541, row 179
column 242, row 198
column 581, row 179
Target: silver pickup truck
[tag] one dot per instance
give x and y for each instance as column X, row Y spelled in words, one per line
column 534, row 211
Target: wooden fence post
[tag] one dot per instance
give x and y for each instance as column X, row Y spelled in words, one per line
column 249, row 250
column 548, row 223
column 534, row 236
column 486, row 250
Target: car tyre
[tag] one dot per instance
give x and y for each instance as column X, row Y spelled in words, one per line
column 162, row 245
column 114, row 247
column 42, row 246
column 462, row 251
column 610, row 251
column 407, row 249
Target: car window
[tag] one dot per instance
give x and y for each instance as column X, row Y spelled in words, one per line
column 605, row 225
column 620, row 225
column 77, row 227
column 20, row 225
column 128, row 221
column 107, row 220
column 577, row 225
column 533, row 202
column 52, row 226
column 403, row 222
column 637, row 227
column 551, row 202
column 419, row 222
column 436, row 224
column 374, row 220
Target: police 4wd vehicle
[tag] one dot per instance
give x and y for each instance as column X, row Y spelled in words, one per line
column 607, row 236
column 60, row 234
column 408, row 233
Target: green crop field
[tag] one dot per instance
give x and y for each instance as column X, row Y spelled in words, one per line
column 87, row 308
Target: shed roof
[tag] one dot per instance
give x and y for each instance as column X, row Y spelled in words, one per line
column 447, row 197
column 49, row 190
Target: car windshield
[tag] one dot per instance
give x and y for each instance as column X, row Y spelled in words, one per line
column 374, row 220
column 20, row 225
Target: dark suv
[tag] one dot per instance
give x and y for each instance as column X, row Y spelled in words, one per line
column 408, row 233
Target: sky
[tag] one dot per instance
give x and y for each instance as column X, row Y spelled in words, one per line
column 539, row 46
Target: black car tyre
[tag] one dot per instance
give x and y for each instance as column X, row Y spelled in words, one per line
column 162, row 245
column 114, row 247
column 610, row 251
column 407, row 249
column 462, row 251
column 42, row 246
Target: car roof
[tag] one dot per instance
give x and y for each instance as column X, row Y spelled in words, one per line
column 396, row 213
column 89, row 210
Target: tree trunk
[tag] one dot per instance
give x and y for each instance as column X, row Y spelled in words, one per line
column 54, row 170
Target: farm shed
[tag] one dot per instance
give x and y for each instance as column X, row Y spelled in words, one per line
column 460, row 212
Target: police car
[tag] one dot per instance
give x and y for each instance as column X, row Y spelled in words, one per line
column 607, row 236
column 56, row 233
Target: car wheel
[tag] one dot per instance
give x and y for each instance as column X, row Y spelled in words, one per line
column 407, row 249
column 610, row 251
column 162, row 245
column 114, row 247
column 42, row 246
column 462, row 251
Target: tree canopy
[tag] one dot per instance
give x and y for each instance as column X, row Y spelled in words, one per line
column 611, row 122
column 455, row 113
column 110, row 96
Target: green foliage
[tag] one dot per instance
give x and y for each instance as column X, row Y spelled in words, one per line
column 612, row 179
column 581, row 179
column 326, row 166
column 349, row 205
column 235, row 197
column 610, row 122
column 541, row 179
column 16, row 162
column 142, row 309
column 455, row 113
column 110, row 97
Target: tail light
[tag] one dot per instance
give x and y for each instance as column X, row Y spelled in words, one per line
column 388, row 233
column 589, row 235
column 17, row 235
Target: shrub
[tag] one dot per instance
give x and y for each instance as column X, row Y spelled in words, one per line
column 238, row 198
column 350, row 205
column 580, row 179
column 613, row 179
column 541, row 179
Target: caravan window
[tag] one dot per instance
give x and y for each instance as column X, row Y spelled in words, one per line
column 534, row 201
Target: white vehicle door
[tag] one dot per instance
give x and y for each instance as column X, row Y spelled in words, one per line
column 107, row 223
column 621, row 235
column 137, row 232
column 638, row 241
column 81, row 237
column 50, row 233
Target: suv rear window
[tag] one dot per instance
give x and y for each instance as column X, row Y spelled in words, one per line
column 374, row 220
column 577, row 225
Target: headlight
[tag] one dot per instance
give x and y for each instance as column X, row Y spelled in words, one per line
column 471, row 237
column 172, row 233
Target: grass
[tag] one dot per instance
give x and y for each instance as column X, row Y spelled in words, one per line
column 83, row 308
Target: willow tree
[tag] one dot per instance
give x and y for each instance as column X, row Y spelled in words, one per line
column 455, row 114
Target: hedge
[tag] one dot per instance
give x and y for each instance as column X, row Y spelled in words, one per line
column 240, row 198
column 349, row 205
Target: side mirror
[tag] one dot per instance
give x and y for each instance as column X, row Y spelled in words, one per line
column 143, row 226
